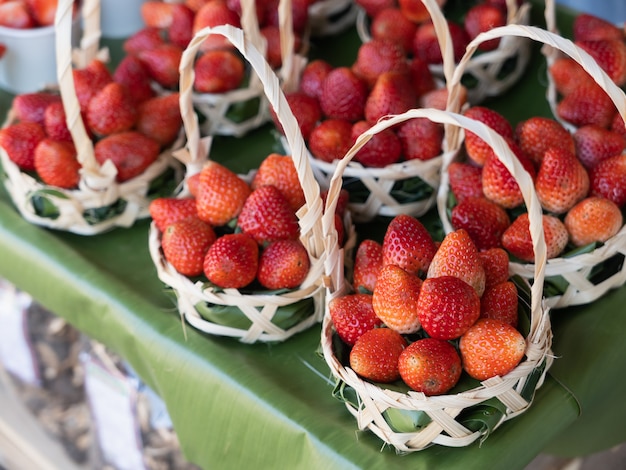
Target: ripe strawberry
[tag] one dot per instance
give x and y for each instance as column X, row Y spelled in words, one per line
column 477, row 149
column 431, row 366
column 390, row 24
column 299, row 13
column 594, row 144
column 55, row 122
column 353, row 315
column 179, row 32
column 131, row 152
column 279, row 170
column 481, row 18
column 15, row 14
column 143, row 40
column 484, row 220
column 267, row 216
column 111, row 110
column 415, row 10
column 215, row 13
column 594, row 219
column 375, row 355
column 284, row 264
column 32, row 106
column 313, row 76
column 167, row 210
column 133, row 74
column 395, row 298
column 56, row 163
column 500, row 301
column 368, row 262
column 608, row 179
column 162, row 63
column 408, row 244
column 305, row 109
column 495, row 262
column 218, row 71
column 378, row 56
column 373, row 7
column 331, row 139
column 422, row 78
column 89, row 81
column 587, row 104
column 272, row 36
column 421, row 139
column 159, row 118
column 537, row 134
column 43, row 11
column 232, row 261
column 426, row 45
column 393, row 93
column 567, row 75
column 19, row 141
column 185, row 244
column 343, row 95
column 561, row 181
column 447, row 307
column 466, row 180
column 588, row 27
column 516, row 239
column 156, row 14
column 384, row 148
column 221, row 194
column 490, row 348
column 610, row 54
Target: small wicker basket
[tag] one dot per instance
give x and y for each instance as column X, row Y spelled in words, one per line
column 256, row 310
column 587, row 276
column 440, row 419
column 98, row 190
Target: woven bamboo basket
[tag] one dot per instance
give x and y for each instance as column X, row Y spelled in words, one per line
column 492, row 72
column 98, row 189
column 581, row 277
column 330, row 17
column 256, row 310
column 440, row 419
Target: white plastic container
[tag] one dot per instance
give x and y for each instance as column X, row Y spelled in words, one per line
column 120, row 18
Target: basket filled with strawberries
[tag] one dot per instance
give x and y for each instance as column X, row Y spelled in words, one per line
column 88, row 156
column 499, row 64
column 244, row 254
column 578, row 174
column 431, row 343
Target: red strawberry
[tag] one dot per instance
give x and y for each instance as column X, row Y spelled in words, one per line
column 111, row 110
column 373, row 7
column 594, row 219
column 481, row 18
column 179, row 31
column 415, row 10
column 343, row 95
column 143, row 40
column 594, row 144
column 55, row 122
column 375, row 355
column 89, row 81
column 267, row 216
column 232, row 261
column 368, row 262
column 567, row 75
column 220, row 195
column 32, row 106
column 495, row 262
column 561, row 181
column 353, row 315
column 131, row 152
column 588, row 27
column 477, row 149
column 156, row 14
column 500, row 301
column 43, row 11
column 19, row 141
column 408, row 244
column 426, row 45
column 306, row 110
column 516, row 239
column 185, row 244
column 484, row 220
column 421, row 139
column 390, row 24
column 421, row 76
column 384, row 148
column 466, row 180
column 392, row 93
column 610, row 54
column 299, row 13
column 218, row 71
column 438, row 98
column 377, row 57
column 162, row 63
column 587, row 104
column 133, row 74
column 279, row 170
column 272, row 37
column 331, row 139
column 313, row 76
column 431, row 366
column 447, row 307
column 490, row 348
column 167, row 210
column 284, row 264
column 537, row 134
column 159, row 118
column 608, row 179
column 618, row 125
column 395, row 298
column 15, row 14
column 56, row 163
column 215, row 13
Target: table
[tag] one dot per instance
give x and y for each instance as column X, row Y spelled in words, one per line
column 236, row 405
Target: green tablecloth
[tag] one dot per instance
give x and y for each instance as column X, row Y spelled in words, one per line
column 266, row 406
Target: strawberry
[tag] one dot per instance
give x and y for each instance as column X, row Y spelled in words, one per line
column 392, row 93
column 466, row 180
column 133, row 74
column 421, row 139
column 89, row 81
column 43, row 11
column 32, row 106
column 477, row 149
column 195, row 5
column 167, row 210
column 143, row 40
column 15, row 14
column 516, row 239
column 395, row 298
column 484, row 220
column 272, row 36
column 343, row 95
column 610, row 54
column 331, row 139
column 299, row 14
column 305, row 109
column 231, row 262
column 481, row 18
column 408, row 244
column 56, row 163
column 537, row 134
column 384, row 148
column 378, row 56
column 375, row 355
column 185, row 244
column 587, row 104
column 218, row 71
column 608, row 179
column 193, row 182
column 618, row 125
column 221, row 194
column 500, row 301
column 353, row 315
column 159, row 118
column 19, row 141
column 431, row 366
column 284, row 264
column 131, row 152
column 279, row 170
column 421, row 76
column 214, row 13
column 495, row 263
column 589, row 27
column 368, row 262
column 162, row 63
column 567, row 75
column 438, row 98
column 179, row 31
column 313, row 76
column 55, row 122
column 561, row 181
column 111, row 110
column 156, row 14
column 415, row 10
column 373, row 7
column 594, row 144
column 594, row 219
column 447, row 307
column 267, row 216
column 390, row 24
column 490, row 348
column 426, row 44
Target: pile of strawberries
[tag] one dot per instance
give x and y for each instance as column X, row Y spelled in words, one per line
column 26, row 14
column 425, row 312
